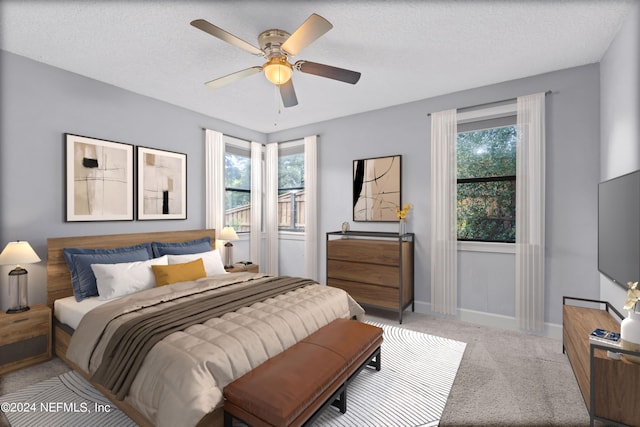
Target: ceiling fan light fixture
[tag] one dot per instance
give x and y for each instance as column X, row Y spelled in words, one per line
column 277, row 70
column 277, row 47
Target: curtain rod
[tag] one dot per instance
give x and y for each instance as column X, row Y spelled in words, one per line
column 262, row 143
column 491, row 103
column 232, row 136
column 290, row 140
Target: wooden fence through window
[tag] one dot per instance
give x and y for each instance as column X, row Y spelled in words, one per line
column 290, row 213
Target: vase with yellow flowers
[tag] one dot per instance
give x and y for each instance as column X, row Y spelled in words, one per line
column 402, row 218
column 630, row 327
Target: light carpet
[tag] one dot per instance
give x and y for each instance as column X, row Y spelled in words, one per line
column 410, row 390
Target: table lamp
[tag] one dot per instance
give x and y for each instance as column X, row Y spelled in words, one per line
column 18, row 253
column 228, row 234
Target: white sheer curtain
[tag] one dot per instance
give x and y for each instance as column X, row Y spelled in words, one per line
column 444, row 251
column 271, row 209
column 256, row 202
column 214, row 185
column 311, row 207
column 530, row 209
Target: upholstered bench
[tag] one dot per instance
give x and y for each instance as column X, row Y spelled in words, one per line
column 292, row 388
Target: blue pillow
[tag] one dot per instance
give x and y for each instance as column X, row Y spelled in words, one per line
column 181, row 248
column 79, row 261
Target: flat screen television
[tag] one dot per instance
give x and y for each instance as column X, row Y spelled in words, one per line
column 619, row 228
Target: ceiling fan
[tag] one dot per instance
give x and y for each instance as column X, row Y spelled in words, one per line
column 277, row 46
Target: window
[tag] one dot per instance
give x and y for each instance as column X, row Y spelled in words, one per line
column 237, row 178
column 291, row 187
column 486, row 181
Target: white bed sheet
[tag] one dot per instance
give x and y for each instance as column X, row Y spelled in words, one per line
column 70, row 312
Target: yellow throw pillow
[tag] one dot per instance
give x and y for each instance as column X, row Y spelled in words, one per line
column 167, row 274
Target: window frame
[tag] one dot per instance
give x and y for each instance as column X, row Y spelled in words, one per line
column 473, row 119
column 242, row 148
column 287, row 149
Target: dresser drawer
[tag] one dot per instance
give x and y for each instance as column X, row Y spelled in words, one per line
column 22, row 326
column 379, row 296
column 382, row 275
column 368, row 251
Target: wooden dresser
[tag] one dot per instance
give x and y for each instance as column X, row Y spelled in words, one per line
column 375, row 268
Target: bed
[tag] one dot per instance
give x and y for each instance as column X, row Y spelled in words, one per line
column 236, row 336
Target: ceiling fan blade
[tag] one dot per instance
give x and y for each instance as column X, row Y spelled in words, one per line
column 310, row 30
column 218, row 32
column 328, row 71
column 288, row 94
column 233, row 77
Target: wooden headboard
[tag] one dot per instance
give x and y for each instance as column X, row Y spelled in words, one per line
column 58, row 277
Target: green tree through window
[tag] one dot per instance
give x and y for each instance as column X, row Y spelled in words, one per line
column 486, row 169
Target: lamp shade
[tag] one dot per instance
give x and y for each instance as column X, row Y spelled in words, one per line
column 228, row 233
column 277, row 70
column 19, row 252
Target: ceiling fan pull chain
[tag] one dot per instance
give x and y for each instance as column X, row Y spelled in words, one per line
column 276, row 93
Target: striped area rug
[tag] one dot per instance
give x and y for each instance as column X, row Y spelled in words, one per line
column 410, row 390
column 66, row 400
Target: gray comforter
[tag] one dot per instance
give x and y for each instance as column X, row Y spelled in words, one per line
column 181, row 378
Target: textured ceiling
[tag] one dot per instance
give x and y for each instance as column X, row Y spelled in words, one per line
column 405, row 50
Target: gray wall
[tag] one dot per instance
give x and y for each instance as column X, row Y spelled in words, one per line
column 620, row 117
column 487, row 282
column 39, row 104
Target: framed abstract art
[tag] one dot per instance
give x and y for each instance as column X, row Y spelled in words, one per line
column 99, row 179
column 377, row 188
column 162, row 184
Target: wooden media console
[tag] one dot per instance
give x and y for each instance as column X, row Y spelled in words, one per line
column 610, row 387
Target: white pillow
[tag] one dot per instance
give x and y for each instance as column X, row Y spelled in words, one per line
column 116, row 280
column 212, row 262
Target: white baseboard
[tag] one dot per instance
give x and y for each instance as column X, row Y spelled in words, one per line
column 492, row 320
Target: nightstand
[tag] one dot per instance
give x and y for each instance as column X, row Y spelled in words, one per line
column 237, row 268
column 25, row 338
